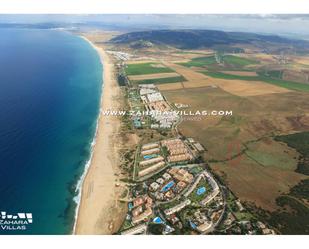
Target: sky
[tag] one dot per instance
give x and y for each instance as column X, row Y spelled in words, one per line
column 289, row 25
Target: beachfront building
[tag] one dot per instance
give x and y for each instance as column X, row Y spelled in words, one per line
column 142, row 216
column 151, row 160
column 142, row 208
column 140, row 229
column 149, row 152
column 150, row 146
column 151, row 169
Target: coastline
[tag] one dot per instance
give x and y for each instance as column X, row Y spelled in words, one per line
column 98, row 210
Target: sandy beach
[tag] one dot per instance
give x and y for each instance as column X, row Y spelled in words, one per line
column 99, row 211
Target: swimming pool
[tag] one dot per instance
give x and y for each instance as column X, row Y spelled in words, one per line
column 201, row 191
column 150, row 156
column 158, row 220
column 168, row 186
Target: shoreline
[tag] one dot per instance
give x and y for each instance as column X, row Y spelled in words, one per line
column 79, row 185
column 97, row 189
column 80, row 182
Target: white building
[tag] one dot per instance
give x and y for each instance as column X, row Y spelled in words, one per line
column 154, row 97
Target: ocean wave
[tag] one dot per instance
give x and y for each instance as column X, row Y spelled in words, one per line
column 79, row 185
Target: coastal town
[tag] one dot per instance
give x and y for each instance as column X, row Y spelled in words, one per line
column 172, row 190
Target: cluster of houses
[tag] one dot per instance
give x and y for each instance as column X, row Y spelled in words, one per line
column 161, row 113
column 152, row 160
column 141, row 209
column 122, row 56
column 170, row 194
column 200, row 222
column 178, row 151
column 196, row 146
column 152, row 157
column 171, row 183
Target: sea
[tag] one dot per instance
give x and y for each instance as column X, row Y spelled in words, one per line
column 50, row 88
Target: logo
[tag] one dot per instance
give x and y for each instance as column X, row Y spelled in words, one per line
column 11, row 222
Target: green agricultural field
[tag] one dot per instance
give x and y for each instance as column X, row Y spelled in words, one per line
column 282, row 83
column 238, row 61
column 277, row 74
column 146, row 68
column 226, row 76
column 287, row 84
column 161, row 80
column 199, row 62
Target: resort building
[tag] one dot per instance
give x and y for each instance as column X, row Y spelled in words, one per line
column 140, row 229
column 136, row 211
column 181, row 175
column 151, row 151
column 142, row 208
column 178, row 150
column 210, row 197
column 148, row 202
column 151, row 169
column 150, row 146
column 161, row 114
column 154, row 186
column 154, row 97
column 160, row 106
column 180, row 186
column 177, row 207
column 199, row 147
column 138, row 201
column 143, row 216
column 144, row 91
column 149, row 86
column 180, row 158
column 190, row 140
column 204, row 227
column 166, row 176
column 160, row 181
column 151, row 161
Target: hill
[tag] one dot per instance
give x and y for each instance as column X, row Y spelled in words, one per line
column 196, row 39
